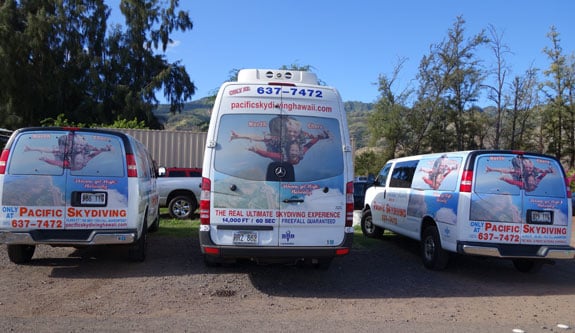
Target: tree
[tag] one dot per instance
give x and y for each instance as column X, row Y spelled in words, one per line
column 557, row 120
column 55, row 57
column 496, row 91
column 461, row 73
column 148, row 28
column 519, row 122
column 387, row 122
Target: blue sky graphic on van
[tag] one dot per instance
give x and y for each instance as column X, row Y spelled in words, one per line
column 437, row 173
column 310, row 146
column 507, row 186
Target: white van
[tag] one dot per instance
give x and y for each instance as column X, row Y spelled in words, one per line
column 277, row 173
column 76, row 187
column 507, row 204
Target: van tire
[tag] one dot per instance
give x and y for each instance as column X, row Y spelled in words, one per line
column 528, row 265
column 433, row 255
column 369, row 229
column 137, row 251
column 181, row 207
column 20, row 254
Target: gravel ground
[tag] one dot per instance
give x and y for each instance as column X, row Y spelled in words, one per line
column 383, row 288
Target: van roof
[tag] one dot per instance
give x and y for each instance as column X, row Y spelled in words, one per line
column 276, row 75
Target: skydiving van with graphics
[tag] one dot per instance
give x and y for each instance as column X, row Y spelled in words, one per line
column 506, row 204
column 277, row 173
column 76, row 187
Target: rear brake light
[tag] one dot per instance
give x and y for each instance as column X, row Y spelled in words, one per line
column 3, row 160
column 341, row 252
column 132, row 168
column 349, row 204
column 466, row 181
column 211, row 250
column 205, row 201
column 567, row 186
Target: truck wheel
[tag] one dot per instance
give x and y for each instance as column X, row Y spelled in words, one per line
column 137, row 251
column 21, row 254
column 181, row 207
column 528, row 265
column 368, row 228
column 433, row 255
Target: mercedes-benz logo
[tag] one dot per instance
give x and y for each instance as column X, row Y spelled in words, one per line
column 280, row 172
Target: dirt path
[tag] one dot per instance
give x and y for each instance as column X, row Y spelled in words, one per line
column 384, row 289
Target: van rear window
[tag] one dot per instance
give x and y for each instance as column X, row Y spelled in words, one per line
column 83, row 153
column 252, row 146
column 511, row 174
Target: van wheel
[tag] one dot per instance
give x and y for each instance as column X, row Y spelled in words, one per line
column 434, row 257
column 137, row 251
column 368, row 228
column 21, row 254
column 528, row 265
column 181, row 207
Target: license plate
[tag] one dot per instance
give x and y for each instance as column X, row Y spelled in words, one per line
column 93, row 198
column 541, row 217
column 245, row 237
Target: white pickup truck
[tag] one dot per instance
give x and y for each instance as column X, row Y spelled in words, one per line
column 180, row 190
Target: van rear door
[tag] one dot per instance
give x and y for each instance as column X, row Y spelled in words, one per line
column 97, row 185
column 313, row 202
column 85, row 181
column 519, row 199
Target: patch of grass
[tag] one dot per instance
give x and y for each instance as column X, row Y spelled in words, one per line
column 178, row 228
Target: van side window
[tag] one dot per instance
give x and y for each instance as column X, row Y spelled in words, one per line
column 382, row 177
column 402, row 174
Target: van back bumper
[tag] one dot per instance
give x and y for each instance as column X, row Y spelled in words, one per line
column 273, row 252
column 68, row 237
column 516, row 250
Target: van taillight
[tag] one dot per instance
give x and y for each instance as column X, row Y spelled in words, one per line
column 205, row 201
column 3, row 160
column 466, row 181
column 349, row 204
column 132, row 168
column 567, row 186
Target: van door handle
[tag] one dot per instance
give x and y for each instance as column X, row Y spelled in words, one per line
column 293, row 200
